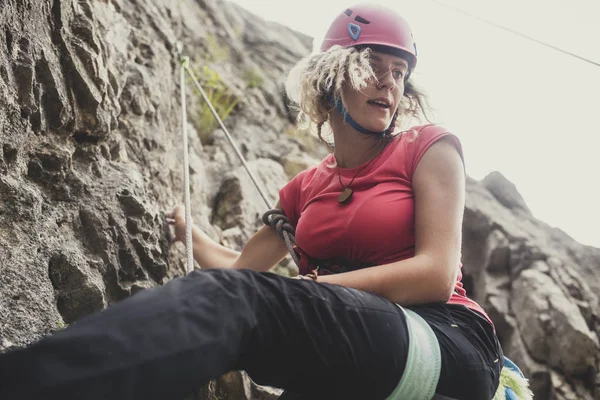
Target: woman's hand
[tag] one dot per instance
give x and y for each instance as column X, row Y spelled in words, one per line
column 207, row 253
column 262, row 252
column 176, row 218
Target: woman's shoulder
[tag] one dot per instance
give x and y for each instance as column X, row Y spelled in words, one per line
column 419, row 138
column 414, row 142
column 423, row 132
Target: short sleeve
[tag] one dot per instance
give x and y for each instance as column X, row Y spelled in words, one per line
column 290, row 198
column 424, row 138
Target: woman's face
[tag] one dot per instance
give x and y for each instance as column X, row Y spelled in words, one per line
column 373, row 108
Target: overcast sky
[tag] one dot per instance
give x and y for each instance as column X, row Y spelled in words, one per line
column 518, row 107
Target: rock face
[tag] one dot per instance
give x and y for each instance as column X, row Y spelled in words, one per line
column 90, row 158
column 540, row 288
column 505, row 192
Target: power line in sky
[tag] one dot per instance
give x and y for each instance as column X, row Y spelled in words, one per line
column 440, row 3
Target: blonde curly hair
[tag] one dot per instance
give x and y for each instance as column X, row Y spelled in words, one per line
column 315, row 78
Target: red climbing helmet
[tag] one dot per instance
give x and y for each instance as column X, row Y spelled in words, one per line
column 370, row 24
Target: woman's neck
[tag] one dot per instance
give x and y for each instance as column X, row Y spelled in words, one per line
column 353, row 148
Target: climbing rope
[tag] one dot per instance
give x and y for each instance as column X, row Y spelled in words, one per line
column 227, row 134
column 184, row 67
column 514, row 32
column 277, row 220
column 186, row 171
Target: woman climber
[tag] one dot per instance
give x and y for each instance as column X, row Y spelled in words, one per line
column 378, row 233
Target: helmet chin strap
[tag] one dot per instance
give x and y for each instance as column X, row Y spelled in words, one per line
column 344, row 113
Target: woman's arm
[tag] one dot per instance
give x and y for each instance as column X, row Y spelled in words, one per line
column 429, row 276
column 262, row 251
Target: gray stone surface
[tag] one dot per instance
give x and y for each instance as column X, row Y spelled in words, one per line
column 539, row 286
column 91, row 158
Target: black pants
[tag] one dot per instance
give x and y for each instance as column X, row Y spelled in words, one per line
column 315, row 340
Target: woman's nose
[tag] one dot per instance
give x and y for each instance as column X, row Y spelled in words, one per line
column 386, row 80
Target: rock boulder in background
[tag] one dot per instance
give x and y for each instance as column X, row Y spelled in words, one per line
column 90, row 158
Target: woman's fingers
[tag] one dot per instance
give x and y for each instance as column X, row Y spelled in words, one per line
column 174, row 212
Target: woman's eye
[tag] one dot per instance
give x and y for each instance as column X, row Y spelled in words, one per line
column 398, row 74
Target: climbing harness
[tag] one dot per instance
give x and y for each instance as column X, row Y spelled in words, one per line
column 423, row 363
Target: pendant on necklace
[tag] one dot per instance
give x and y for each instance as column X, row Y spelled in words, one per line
column 345, row 195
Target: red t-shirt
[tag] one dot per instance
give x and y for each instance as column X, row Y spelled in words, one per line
column 377, row 226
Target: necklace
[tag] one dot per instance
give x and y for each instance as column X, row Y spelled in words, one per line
column 347, row 192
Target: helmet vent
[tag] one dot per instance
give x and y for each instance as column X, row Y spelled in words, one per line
column 361, row 20
column 348, row 12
